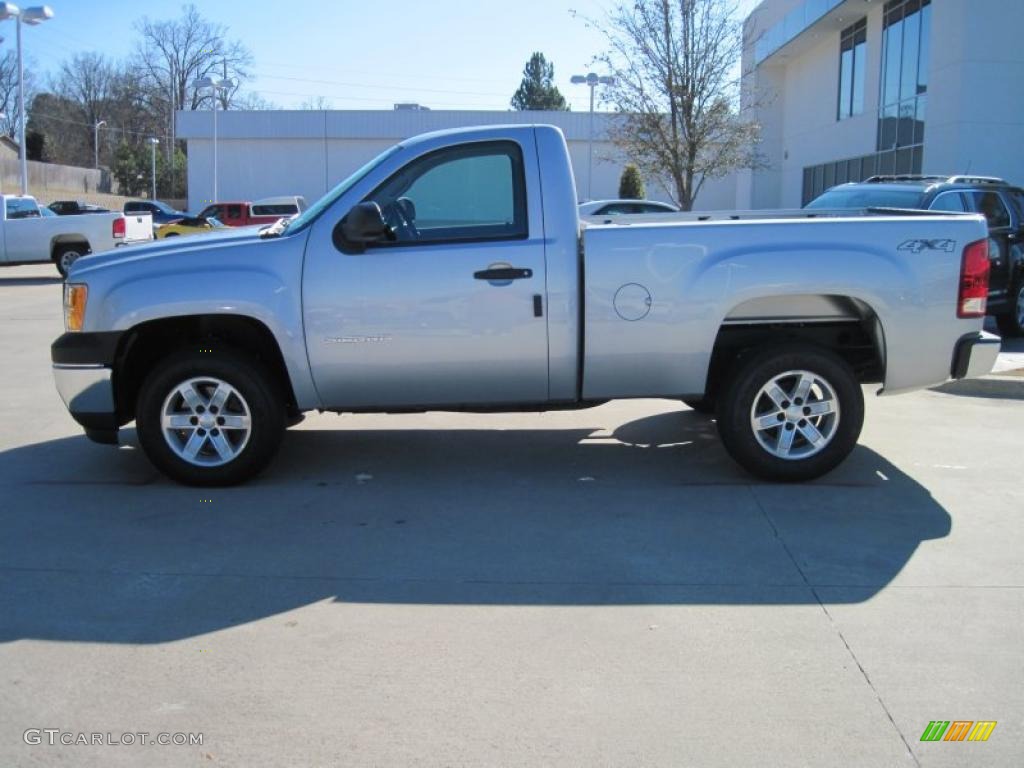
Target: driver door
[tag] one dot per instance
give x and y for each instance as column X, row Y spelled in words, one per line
column 449, row 310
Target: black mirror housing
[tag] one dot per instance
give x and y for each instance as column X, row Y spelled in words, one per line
column 364, row 224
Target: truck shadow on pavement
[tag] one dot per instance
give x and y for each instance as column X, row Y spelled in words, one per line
column 36, row 280
column 96, row 548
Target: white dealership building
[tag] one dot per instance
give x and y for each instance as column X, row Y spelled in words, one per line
column 852, row 88
column 844, row 89
column 282, row 152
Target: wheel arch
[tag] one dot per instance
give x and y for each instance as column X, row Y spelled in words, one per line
column 145, row 344
column 847, row 325
column 69, row 238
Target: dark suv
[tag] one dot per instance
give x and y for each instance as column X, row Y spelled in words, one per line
column 1001, row 203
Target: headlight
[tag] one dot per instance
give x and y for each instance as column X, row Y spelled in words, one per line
column 75, row 296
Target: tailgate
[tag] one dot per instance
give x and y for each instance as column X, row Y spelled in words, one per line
column 138, row 227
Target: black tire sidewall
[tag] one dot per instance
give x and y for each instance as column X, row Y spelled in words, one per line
column 58, row 256
column 752, row 373
column 251, row 380
column 704, row 405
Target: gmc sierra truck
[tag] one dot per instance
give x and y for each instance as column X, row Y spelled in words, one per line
column 27, row 235
column 453, row 273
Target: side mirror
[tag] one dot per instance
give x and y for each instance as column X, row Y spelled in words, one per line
column 364, row 224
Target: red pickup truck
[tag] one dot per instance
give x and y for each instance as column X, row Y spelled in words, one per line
column 244, row 214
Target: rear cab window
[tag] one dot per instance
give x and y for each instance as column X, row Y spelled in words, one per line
column 21, row 209
column 275, row 210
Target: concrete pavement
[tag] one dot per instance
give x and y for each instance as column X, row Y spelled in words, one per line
column 601, row 587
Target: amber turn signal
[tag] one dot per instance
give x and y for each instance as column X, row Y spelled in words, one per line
column 75, row 297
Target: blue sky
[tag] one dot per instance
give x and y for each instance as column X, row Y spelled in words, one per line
column 446, row 54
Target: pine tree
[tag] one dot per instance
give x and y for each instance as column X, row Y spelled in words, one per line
column 537, row 90
column 631, row 185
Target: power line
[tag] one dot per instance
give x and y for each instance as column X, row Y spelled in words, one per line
column 386, row 74
column 389, row 101
column 109, row 128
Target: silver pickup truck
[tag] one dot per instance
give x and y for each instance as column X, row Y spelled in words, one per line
column 453, row 273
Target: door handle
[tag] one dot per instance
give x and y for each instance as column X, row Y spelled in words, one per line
column 503, row 274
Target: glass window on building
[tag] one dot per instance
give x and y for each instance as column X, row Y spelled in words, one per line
column 853, row 44
column 906, row 45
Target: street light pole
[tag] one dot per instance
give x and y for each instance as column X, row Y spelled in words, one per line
column 592, row 81
column 34, row 15
column 153, row 141
column 22, row 155
column 96, row 142
column 214, row 86
column 215, row 196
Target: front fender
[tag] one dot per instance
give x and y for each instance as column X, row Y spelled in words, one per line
column 253, row 292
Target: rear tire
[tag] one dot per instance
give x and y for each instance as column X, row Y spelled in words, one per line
column 66, row 255
column 1011, row 323
column 210, row 418
column 791, row 412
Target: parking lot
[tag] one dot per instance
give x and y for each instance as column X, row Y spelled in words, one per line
column 601, row 587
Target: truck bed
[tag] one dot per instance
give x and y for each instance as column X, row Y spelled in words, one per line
column 661, row 285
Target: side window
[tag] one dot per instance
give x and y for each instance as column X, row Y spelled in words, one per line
column 614, row 209
column 991, row 205
column 654, row 209
column 1017, row 196
column 948, row 201
column 470, row 192
column 232, row 211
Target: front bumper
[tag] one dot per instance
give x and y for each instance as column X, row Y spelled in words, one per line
column 82, row 370
column 975, row 355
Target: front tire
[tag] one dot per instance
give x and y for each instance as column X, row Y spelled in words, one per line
column 791, row 413
column 1011, row 323
column 704, row 405
column 210, row 418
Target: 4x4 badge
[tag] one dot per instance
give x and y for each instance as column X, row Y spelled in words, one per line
column 916, row 246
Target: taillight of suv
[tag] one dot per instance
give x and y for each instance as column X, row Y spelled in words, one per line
column 972, row 299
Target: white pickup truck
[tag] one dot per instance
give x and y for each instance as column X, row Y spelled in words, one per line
column 29, row 235
column 453, row 273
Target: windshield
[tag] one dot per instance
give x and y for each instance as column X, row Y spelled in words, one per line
column 325, row 202
column 868, row 197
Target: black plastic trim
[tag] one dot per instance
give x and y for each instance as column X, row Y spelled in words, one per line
column 86, row 348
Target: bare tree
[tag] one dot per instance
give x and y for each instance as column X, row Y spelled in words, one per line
column 9, row 91
column 251, row 100
column 173, row 54
column 86, row 83
column 676, row 88
column 317, row 104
